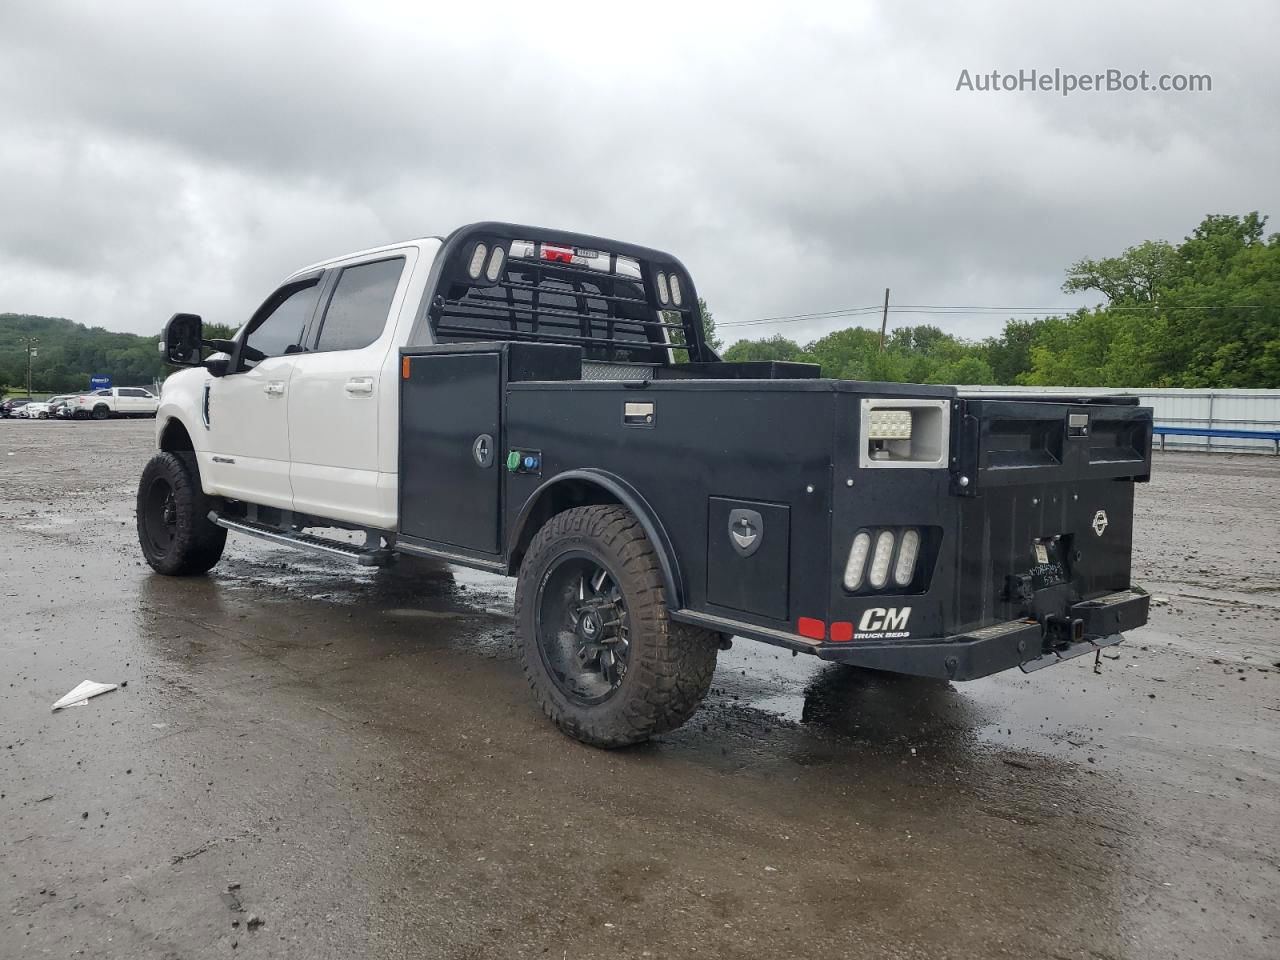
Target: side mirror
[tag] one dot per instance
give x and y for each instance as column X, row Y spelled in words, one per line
column 183, row 335
column 183, row 339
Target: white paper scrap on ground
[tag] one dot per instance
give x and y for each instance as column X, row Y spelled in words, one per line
column 81, row 694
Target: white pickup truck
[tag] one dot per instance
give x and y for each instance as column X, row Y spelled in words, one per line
column 544, row 404
column 113, row 402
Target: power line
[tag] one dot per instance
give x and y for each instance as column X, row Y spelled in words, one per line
column 949, row 310
column 797, row 317
column 793, row 317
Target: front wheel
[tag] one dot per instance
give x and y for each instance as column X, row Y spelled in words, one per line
column 101, row 413
column 174, row 530
column 604, row 659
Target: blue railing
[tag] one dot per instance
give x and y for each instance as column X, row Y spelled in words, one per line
column 1226, row 433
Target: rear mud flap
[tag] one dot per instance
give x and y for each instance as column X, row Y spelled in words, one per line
column 1078, row 649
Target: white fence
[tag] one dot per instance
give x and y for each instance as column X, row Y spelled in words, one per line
column 1195, row 409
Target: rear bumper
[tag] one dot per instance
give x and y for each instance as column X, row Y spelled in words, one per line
column 1028, row 644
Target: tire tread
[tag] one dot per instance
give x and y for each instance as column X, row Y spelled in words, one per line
column 671, row 664
column 199, row 542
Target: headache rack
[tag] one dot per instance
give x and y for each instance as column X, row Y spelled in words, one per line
column 617, row 301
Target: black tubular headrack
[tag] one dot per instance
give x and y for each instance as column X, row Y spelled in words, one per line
column 610, row 313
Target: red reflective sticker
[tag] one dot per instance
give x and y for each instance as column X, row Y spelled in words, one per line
column 841, row 631
column 811, row 628
column 557, row 254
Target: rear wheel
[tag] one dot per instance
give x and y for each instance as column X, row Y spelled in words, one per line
column 174, row 529
column 604, row 659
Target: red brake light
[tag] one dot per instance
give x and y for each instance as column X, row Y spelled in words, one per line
column 557, row 254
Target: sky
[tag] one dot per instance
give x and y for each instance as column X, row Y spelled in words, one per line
column 163, row 157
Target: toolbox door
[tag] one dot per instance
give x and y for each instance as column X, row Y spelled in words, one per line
column 449, row 461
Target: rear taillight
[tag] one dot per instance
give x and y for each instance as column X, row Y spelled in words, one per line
column 904, row 570
column 853, row 570
column 877, row 557
column 880, row 560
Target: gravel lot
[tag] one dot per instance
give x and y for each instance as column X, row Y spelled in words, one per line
column 358, row 752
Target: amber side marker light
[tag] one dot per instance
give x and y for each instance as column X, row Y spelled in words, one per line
column 404, row 368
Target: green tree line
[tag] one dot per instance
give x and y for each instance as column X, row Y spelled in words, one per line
column 69, row 353
column 1203, row 313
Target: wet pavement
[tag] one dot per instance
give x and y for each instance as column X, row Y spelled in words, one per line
column 358, row 751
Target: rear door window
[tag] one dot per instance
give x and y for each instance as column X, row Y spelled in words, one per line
column 360, row 304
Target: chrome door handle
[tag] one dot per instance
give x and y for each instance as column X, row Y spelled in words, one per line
column 274, row 388
column 360, row 386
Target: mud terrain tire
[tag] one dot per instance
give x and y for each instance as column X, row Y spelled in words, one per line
column 668, row 666
column 174, row 529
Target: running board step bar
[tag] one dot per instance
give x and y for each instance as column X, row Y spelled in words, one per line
column 377, row 557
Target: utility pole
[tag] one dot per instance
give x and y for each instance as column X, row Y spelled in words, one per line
column 884, row 318
column 31, row 352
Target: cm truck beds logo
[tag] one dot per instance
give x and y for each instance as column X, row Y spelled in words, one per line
column 880, row 623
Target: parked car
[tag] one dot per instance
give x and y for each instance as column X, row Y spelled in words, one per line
column 509, row 398
column 114, row 402
column 11, row 407
column 44, row 409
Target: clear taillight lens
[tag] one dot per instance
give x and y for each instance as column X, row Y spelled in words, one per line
column 879, row 575
column 676, row 296
column 904, row 570
column 857, row 561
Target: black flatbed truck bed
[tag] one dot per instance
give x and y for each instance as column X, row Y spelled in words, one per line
column 698, row 449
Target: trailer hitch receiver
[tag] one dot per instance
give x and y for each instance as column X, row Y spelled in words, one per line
column 1061, row 632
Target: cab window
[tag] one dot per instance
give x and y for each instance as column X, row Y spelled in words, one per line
column 358, row 309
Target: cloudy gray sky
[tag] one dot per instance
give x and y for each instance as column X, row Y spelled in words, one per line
column 178, row 156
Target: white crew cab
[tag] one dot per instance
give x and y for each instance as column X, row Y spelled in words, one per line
column 309, row 423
